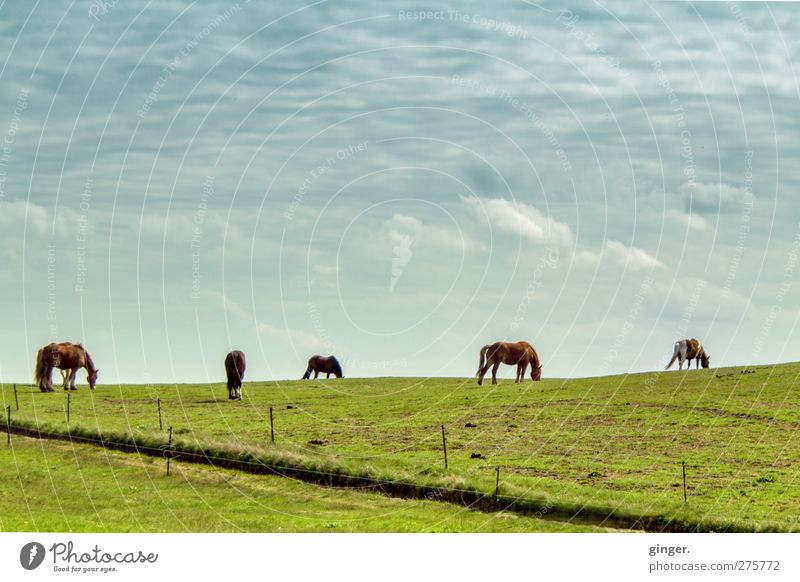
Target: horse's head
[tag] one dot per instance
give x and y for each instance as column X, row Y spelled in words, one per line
column 704, row 360
column 92, row 377
column 337, row 370
column 536, row 373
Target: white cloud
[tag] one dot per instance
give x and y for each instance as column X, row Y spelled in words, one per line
column 691, row 220
column 711, row 197
column 228, row 305
column 519, row 218
column 294, row 337
column 400, row 227
column 325, row 269
column 630, row 257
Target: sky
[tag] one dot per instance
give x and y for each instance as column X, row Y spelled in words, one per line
column 397, row 184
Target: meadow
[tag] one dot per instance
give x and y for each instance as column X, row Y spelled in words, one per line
column 596, row 452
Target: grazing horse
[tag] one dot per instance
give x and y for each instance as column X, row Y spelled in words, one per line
column 326, row 364
column 234, row 367
column 65, row 356
column 688, row 349
column 518, row 354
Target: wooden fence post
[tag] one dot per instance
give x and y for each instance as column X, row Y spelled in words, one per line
column 8, row 423
column 69, row 402
column 160, row 422
column 271, row 427
column 683, row 463
column 497, row 483
column 16, row 399
column 169, row 450
column 444, row 447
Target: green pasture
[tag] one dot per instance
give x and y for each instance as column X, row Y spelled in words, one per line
column 613, row 443
column 58, row 486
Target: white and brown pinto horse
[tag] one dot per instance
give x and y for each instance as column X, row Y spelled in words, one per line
column 69, row 358
column 519, row 354
column 688, row 349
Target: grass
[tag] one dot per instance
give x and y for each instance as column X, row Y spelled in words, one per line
column 610, row 444
column 59, row 486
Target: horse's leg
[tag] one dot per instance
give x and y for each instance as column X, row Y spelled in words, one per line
column 316, row 374
column 494, row 372
column 72, row 375
column 484, row 370
column 482, row 373
column 327, row 375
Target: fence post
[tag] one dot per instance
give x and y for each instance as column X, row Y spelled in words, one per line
column 497, row 483
column 683, row 463
column 169, row 450
column 16, row 399
column 444, row 447
column 8, row 423
column 69, row 401
column 160, row 422
column 271, row 427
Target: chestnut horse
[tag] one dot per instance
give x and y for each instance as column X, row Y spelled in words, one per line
column 688, row 349
column 326, row 364
column 234, row 368
column 518, row 354
column 65, row 356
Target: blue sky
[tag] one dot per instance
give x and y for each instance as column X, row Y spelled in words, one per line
column 397, row 184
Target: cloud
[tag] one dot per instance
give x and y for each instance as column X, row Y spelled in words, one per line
column 709, row 197
column 691, row 220
column 229, row 306
column 630, row 257
column 403, row 229
column 294, row 337
column 519, row 218
column 325, row 269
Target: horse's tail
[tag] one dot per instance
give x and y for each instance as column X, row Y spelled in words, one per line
column 674, row 355
column 482, row 361
column 41, row 368
column 307, row 375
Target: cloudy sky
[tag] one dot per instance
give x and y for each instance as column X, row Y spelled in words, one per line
column 398, row 184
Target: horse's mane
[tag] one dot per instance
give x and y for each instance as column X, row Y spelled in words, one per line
column 89, row 362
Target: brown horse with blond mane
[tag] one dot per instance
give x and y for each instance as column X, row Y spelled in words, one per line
column 65, row 356
column 519, row 354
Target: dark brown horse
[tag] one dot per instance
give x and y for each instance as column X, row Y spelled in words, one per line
column 234, row 367
column 65, row 356
column 518, row 354
column 326, row 364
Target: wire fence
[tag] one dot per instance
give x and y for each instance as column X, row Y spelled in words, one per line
column 470, row 498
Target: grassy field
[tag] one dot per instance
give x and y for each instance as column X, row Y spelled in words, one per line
column 76, row 488
column 610, row 443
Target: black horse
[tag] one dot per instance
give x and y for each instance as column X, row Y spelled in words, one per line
column 234, row 367
column 326, row 364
